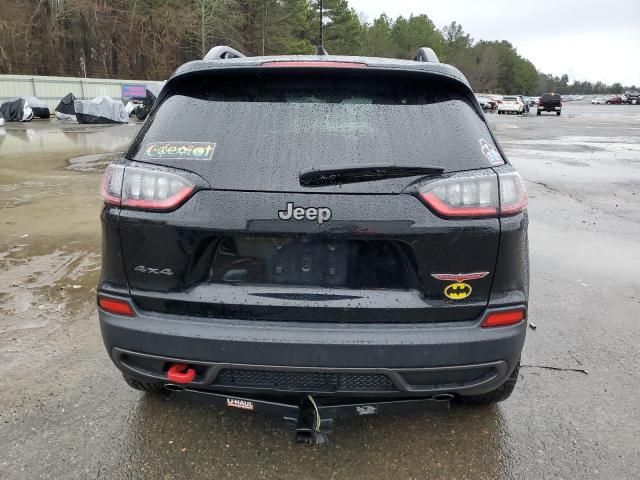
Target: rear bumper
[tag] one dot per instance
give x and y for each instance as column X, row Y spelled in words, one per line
column 243, row 356
column 549, row 108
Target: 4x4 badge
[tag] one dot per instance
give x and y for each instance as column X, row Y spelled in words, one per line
column 459, row 289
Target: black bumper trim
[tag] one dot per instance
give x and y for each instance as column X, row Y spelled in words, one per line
column 209, row 372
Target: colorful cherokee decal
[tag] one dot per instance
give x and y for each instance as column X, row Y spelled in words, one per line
column 459, row 289
column 491, row 152
column 179, row 151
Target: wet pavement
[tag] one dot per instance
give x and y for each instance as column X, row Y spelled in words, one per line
column 66, row 413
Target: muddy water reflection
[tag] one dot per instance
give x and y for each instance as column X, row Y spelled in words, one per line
column 52, row 137
column 49, row 208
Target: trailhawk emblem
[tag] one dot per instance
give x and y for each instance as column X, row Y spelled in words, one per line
column 312, row 214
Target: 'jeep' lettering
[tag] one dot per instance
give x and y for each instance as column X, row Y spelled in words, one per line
column 311, row 214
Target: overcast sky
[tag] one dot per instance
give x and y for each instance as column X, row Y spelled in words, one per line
column 586, row 39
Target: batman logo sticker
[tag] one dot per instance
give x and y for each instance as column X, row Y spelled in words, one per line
column 457, row 291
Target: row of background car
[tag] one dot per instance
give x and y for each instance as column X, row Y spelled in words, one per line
column 490, row 102
column 628, row 98
column 520, row 105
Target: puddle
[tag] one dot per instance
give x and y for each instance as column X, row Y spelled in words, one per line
column 49, row 218
column 28, row 144
column 92, row 163
column 35, row 288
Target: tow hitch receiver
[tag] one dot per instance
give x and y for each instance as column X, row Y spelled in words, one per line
column 311, row 419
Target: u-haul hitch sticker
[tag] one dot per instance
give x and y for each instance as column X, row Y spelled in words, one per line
column 238, row 403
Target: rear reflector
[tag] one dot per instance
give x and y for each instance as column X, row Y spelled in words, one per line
column 317, row 64
column 118, row 307
column 504, row 318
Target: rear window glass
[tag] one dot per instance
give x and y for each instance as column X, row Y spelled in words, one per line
column 510, row 99
column 551, row 96
column 276, row 125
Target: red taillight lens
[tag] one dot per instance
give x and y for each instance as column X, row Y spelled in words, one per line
column 504, row 318
column 145, row 188
column 118, row 307
column 476, row 196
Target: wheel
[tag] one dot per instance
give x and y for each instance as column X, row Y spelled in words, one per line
column 500, row 394
column 154, row 388
column 557, row 113
column 539, row 112
column 141, row 113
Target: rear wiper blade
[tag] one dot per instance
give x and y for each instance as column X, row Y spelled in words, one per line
column 362, row 173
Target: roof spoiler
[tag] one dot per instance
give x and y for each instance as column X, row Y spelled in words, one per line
column 426, row 54
column 222, row 52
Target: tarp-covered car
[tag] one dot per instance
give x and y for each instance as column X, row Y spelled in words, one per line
column 17, row 110
column 39, row 107
column 100, row 110
column 66, row 109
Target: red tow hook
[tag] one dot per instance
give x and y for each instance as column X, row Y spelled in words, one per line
column 180, row 373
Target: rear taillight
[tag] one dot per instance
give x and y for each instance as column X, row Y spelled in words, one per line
column 476, row 196
column 513, row 195
column 503, row 318
column 112, row 184
column 145, row 188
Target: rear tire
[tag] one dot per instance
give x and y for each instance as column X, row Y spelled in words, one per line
column 153, row 388
column 558, row 113
column 539, row 112
column 500, row 394
column 141, row 113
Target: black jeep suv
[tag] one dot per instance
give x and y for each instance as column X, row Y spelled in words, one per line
column 341, row 227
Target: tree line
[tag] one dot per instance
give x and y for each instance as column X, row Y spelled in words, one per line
column 148, row 39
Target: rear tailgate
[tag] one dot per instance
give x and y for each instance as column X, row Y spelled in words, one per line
column 550, row 100
column 239, row 251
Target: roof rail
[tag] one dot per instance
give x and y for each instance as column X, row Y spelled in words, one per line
column 222, row 52
column 426, row 54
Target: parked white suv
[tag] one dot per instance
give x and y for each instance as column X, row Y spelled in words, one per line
column 511, row 105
